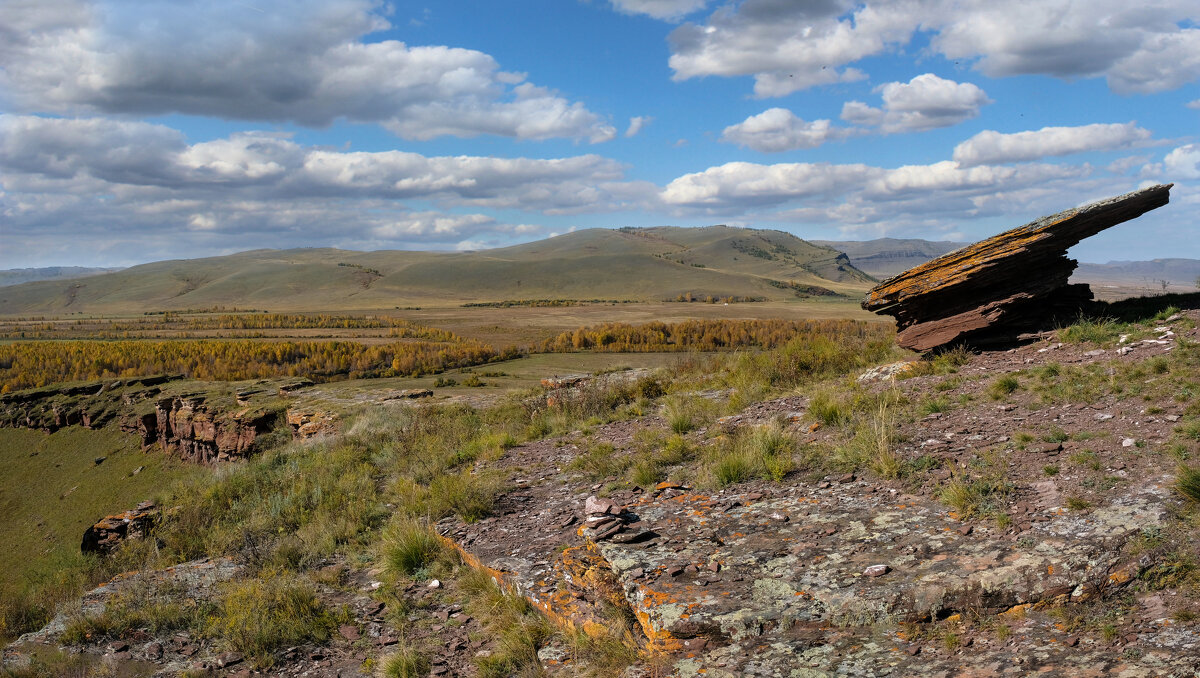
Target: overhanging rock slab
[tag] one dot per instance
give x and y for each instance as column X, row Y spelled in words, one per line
column 1010, row 282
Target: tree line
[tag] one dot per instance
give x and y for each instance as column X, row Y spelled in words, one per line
column 705, row 335
column 39, row 363
column 31, row 364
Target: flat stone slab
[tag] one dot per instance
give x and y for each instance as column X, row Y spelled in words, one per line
column 808, row 556
column 818, row 579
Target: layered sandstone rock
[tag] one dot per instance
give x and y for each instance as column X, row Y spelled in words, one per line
column 197, row 426
column 107, row 534
column 1011, row 282
column 187, row 428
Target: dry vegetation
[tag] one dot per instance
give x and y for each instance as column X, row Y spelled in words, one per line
column 29, row 364
column 370, row 495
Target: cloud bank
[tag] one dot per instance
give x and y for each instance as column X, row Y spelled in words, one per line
column 301, row 61
column 790, row 46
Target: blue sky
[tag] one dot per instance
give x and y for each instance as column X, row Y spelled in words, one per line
column 138, row 130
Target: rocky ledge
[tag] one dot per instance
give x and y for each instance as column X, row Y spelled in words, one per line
column 1012, row 282
column 107, row 534
column 202, row 423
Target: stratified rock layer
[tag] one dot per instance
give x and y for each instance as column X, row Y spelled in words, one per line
column 107, row 534
column 202, row 425
column 1008, row 283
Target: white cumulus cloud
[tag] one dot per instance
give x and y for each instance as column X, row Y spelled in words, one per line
column 990, row 147
column 1182, row 163
column 925, row 102
column 302, row 61
column 68, row 179
column 789, row 46
column 744, row 184
column 778, row 129
column 659, row 9
column 636, row 124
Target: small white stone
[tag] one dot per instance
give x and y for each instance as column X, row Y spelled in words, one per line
column 876, row 571
column 1128, row 442
column 434, row 584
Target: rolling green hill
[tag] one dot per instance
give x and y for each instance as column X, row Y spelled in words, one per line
column 649, row 264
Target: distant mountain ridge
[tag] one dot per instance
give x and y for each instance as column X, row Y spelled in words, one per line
column 647, row 264
column 650, row 264
column 16, row 276
column 1175, row 271
column 885, row 257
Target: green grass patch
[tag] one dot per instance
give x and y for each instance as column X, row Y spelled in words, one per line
column 760, row 452
column 1003, row 386
column 258, row 616
column 53, row 490
column 408, row 547
column 1091, row 330
column 1187, row 482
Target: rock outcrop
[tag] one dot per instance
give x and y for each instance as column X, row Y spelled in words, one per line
column 90, row 404
column 189, row 429
column 1009, row 283
column 198, row 426
column 107, row 534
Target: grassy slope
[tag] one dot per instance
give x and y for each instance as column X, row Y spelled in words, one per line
column 598, row 263
column 53, row 489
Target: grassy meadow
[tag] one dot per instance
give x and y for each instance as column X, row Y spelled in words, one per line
column 57, row 485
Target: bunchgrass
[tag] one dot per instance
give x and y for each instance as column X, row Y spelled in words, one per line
column 1003, row 386
column 1090, row 330
column 408, row 546
column 765, row 452
column 260, row 615
column 510, row 618
column 1187, row 482
column 404, row 662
